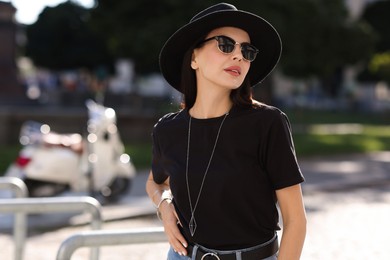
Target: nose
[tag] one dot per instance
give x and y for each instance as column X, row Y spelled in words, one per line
column 237, row 54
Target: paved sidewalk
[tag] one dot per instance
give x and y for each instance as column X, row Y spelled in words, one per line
column 346, row 197
column 348, row 225
column 341, row 172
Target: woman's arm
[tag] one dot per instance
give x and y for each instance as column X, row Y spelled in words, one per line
column 294, row 222
column 167, row 213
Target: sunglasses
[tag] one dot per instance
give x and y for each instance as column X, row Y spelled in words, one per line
column 227, row 45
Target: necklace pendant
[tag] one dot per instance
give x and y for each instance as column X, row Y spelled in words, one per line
column 192, row 225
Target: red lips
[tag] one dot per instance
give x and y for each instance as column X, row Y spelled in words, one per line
column 233, row 70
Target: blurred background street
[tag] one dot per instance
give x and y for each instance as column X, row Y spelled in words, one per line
column 332, row 82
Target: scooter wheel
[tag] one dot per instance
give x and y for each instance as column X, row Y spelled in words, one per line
column 44, row 189
column 116, row 189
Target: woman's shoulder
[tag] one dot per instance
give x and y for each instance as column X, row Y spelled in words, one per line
column 168, row 119
column 260, row 117
column 261, row 111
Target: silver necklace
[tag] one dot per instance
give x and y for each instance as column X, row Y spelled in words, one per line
column 192, row 224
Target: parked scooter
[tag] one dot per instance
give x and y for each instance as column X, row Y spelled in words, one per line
column 51, row 163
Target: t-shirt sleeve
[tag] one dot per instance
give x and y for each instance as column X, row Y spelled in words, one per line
column 158, row 171
column 279, row 156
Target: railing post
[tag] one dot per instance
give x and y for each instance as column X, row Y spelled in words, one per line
column 15, row 184
column 57, row 204
column 20, row 190
column 98, row 238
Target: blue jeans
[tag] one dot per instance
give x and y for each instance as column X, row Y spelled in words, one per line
column 172, row 255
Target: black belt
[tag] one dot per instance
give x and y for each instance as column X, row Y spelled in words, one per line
column 254, row 253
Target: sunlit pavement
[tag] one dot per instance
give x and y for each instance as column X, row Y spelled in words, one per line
column 348, row 225
column 347, row 201
column 348, row 207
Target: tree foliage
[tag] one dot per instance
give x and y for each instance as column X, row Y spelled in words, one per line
column 377, row 15
column 380, row 65
column 317, row 36
column 138, row 29
column 62, row 39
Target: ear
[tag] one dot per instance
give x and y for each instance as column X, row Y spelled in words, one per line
column 194, row 64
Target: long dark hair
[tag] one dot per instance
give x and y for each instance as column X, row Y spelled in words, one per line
column 241, row 96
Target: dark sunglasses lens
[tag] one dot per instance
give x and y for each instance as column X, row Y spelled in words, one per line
column 249, row 52
column 225, row 44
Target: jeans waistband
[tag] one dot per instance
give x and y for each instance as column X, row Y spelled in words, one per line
column 267, row 249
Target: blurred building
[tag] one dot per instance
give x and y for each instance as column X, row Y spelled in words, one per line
column 9, row 87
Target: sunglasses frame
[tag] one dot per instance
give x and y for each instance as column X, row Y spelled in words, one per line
column 234, row 44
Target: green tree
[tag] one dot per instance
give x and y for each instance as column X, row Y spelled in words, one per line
column 380, row 65
column 377, row 15
column 61, row 39
column 138, row 29
column 318, row 39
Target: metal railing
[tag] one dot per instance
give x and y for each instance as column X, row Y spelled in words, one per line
column 109, row 237
column 19, row 188
column 15, row 184
column 51, row 205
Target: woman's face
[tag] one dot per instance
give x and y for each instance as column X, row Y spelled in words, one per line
column 215, row 68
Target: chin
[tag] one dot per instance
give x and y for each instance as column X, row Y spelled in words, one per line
column 235, row 87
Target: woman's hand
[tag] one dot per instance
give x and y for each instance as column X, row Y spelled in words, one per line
column 170, row 221
column 167, row 213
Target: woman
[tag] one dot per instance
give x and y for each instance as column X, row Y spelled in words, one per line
column 223, row 162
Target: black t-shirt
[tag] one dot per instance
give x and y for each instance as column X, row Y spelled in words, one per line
column 254, row 157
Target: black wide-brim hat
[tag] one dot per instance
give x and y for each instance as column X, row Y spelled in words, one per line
column 262, row 34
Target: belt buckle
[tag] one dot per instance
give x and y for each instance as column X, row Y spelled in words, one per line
column 210, row 254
